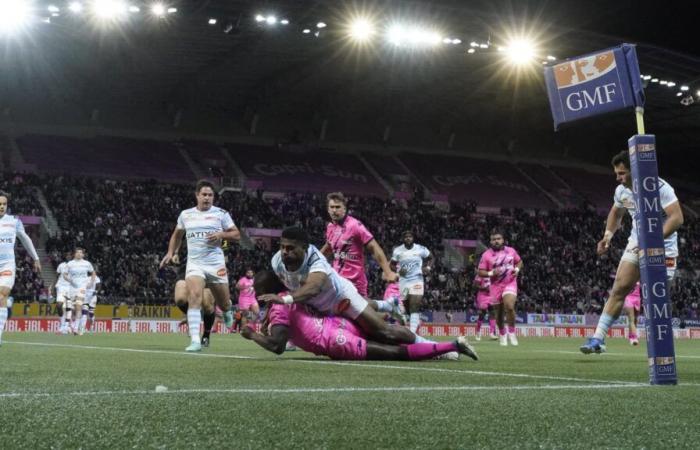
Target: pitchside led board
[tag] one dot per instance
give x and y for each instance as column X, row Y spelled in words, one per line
column 596, row 84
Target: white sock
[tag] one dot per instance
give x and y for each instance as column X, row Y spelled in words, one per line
column 69, row 317
column 194, row 320
column 3, row 319
column 63, row 321
column 415, row 320
column 83, row 322
column 604, row 324
column 384, row 306
column 422, row 340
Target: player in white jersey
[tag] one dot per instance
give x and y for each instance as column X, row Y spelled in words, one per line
column 310, row 279
column 80, row 274
column 413, row 261
column 88, row 313
column 11, row 229
column 62, row 292
column 627, row 274
column 205, row 227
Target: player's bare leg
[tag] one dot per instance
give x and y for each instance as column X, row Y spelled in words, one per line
column 4, row 293
column 413, row 303
column 195, row 293
column 222, row 296
column 492, row 323
column 632, row 314
column 509, row 306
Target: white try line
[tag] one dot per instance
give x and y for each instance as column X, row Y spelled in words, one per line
column 329, row 362
column 642, row 355
column 339, row 390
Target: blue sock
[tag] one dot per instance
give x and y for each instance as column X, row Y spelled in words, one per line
column 604, row 324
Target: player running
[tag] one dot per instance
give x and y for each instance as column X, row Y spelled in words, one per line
column 485, row 305
column 62, row 293
column 502, row 264
column 346, row 241
column 627, row 274
column 88, row 314
column 11, row 228
column 247, row 303
column 305, row 272
column 205, row 227
column 633, row 304
column 80, row 273
column 413, row 261
column 334, row 336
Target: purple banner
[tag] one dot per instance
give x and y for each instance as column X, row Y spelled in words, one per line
column 30, row 220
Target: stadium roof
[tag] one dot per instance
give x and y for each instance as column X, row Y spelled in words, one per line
column 144, row 70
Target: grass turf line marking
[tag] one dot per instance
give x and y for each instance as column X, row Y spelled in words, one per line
column 133, row 350
column 327, row 362
column 567, row 352
column 329, row 390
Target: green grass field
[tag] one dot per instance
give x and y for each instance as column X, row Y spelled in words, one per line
column 98, row 391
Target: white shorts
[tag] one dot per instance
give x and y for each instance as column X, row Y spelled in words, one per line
column 411, row 288
column 348, row 304
column 212, row 274
column 76, row 292
column 92, row 302
column 62, row 294
column 7, row 276
column 631, row 255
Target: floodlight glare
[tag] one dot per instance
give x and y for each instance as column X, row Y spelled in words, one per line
column 134, row 9
column 361, row 29
column 654, row 80
column 212, row 21
column 172, row 10
column 551, row 58
column 684, row 88
column 53, row 9
column 109, row 9
column 271, row 20
column 520, row 51
column 76, row 7
column 321, row 25
column 306, row 31
column 284, row 22
column 456, row 41
column 15, row 15
column 158, row 9
column 471, row 50
column 259, row 18
column 671, row 84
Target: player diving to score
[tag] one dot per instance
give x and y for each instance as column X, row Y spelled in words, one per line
column 205, row 227
column 334, row 336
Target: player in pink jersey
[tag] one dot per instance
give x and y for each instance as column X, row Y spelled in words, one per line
column 501, row 264
column 247, row 303
column 485, row 305
column 346, row 240
column 633, row 304
column 334, row 336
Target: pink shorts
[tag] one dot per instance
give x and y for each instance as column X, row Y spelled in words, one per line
column 483, row 300
column 343, row 340
column 498, row 290
column 633, row 301
column 244, row 304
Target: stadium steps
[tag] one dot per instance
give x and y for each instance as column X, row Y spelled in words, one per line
column 49, row 221
column 414, row 178
column 48, row 274
column 453, row 258
column 239, row 178
column 376, row 175
column 547, row 194
column 194, row 167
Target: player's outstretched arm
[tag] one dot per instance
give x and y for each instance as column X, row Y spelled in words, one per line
column 388, row 273
column 173, row 246
column 310, row 289
column 674, row 218
column 612, row 224
column 275, row 342
column 29, row 246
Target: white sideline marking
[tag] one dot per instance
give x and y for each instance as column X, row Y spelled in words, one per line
column 567, row 352
column 329, row 390
column 328, row 362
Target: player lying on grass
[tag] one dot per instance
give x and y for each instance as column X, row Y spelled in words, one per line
column 333, row 336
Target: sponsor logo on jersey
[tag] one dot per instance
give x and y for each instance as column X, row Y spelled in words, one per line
column 6, row 273
column 221, row 272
